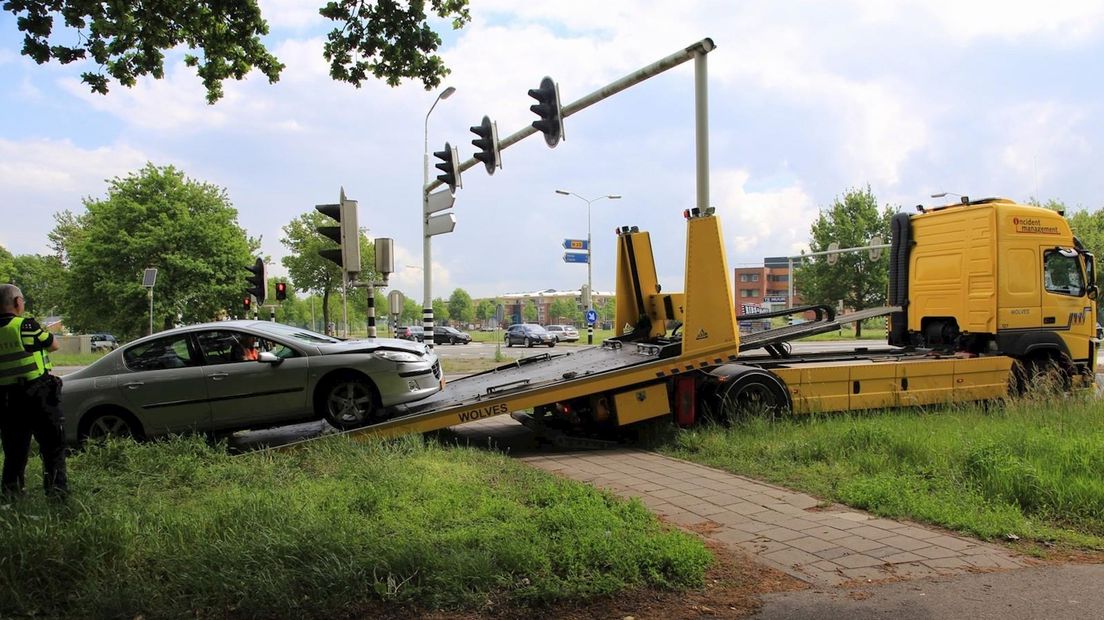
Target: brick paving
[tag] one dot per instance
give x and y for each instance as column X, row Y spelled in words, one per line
column 823, row 544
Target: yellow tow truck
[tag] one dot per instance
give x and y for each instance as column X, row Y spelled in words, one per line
column 982, row 293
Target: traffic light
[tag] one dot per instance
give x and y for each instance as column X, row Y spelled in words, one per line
column 258, row 281
column 549, row 110
column 281, row 291
column 246, row 302
column 487, row 143
column 347, row 235
column 449, row 166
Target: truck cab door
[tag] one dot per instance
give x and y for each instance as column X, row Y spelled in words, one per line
column 1066, row 307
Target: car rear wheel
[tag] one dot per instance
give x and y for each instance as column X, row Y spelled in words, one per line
column 349, row 401
column 110, row 423
column 552, row 344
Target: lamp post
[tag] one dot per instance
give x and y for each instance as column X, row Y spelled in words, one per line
column 427, row 295
column 590, row 255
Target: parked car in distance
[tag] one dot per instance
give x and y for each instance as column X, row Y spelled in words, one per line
column 528, row 334
column 103, row 342
column 450, row 335
column 408, row 332
column 563, row 333
column 235, row 375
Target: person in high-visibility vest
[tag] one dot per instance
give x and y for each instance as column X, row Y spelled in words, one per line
column 30, row 399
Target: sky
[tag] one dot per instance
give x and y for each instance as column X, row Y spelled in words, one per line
column 807, row 99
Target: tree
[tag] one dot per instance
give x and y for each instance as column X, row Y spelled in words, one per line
column 485, row 310
column 42, row 280
column 156, row 217
column 6, row 267
column 440, row 311
column 460, row 306
column 412, row 312
column 563, row 309
column 855, row 279
column 389, row 39
column 309, row 271
column 529, row 311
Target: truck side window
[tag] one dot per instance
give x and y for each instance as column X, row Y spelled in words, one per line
column 1062, row 273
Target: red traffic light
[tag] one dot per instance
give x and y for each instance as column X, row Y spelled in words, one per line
column 246, row 302
column 281, row 291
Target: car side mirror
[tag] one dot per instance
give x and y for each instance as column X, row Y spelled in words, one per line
column 267, row 357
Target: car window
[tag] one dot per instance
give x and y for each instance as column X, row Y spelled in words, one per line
column 229, row 347
column 160, row 354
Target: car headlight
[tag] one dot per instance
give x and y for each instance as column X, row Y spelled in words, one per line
column 397, row 356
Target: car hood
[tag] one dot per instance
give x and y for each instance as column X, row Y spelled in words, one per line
column 372, row 344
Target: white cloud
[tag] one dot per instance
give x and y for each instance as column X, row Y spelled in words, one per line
column 290, row 13
column 1041, row 138
column 52, row 176
column 760, row 223
column 1059, row 21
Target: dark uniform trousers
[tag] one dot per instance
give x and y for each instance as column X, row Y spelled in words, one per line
column 33, row 409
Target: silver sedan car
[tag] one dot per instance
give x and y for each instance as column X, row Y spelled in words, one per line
column 234, row 375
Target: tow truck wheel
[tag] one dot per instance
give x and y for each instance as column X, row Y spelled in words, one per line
column 349, row 401
column 753, row 394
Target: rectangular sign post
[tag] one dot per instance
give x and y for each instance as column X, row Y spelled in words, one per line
column 575, row 244
column 576, row 257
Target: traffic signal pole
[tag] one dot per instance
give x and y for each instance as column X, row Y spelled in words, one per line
column 696, row 52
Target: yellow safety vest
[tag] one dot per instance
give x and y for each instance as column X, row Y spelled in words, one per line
column 16, row 362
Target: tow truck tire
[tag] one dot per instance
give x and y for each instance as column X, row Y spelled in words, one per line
column 348, row 401
column 756, row 393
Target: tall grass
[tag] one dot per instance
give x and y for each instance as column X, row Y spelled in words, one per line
column 340, row 529
column 1033, row 468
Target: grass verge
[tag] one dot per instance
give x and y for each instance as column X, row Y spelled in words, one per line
column 1031, row 468
column 342, row 529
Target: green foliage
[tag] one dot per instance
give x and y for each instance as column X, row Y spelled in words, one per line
column 309, row 271
column 564, row 309
column 412, row 312
column 7, row 270
column 127, row 40
column 485, row 310
column 529, row 311
column 1034, row 468
column 860, row 282
column 460, row 306
column 341, row 529
column 186, row 229
column 389, row 39
column 440, row 311
column 42, row 280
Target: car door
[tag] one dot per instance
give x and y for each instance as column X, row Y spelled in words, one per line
column 245, row 392
column 164, row 386
column 1065, row 306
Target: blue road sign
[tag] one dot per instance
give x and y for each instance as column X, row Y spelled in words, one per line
column 576, row 257
column 591, row 317
column 575, row 244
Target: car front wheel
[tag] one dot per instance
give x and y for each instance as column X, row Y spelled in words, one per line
column 349, row 402
column 509, row 343
column 528, row 343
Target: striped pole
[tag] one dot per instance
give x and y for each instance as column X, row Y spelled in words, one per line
column 371, row 312
column 427, row 326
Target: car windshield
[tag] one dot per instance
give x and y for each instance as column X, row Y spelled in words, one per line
column 451, row 330
column 297, row 333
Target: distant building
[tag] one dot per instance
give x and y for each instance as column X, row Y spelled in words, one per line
column 767, row 285
column 510, row 307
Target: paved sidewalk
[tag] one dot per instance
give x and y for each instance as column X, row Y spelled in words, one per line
column 826, row 545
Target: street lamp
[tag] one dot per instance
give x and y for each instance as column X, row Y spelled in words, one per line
column 427, row 295
column 590, row 255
